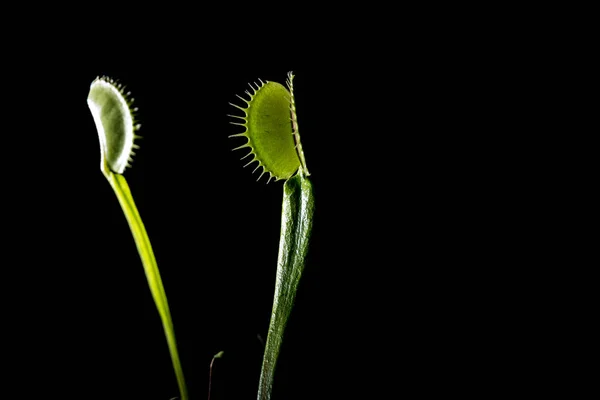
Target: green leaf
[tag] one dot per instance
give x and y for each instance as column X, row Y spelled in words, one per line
column 296, row 227
column 271, row 130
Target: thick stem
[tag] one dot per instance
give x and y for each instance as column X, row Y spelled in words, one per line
column 121, row 188
column 296, row 226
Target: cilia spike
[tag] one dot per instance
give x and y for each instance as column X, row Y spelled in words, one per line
column 294, row 119
column 270, row 129
column 115, row 123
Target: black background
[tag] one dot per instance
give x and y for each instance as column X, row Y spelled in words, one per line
column 82, row 321
column 406, row 134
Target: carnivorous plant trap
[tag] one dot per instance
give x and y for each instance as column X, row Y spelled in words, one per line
column 273, row 138
column 111, row 108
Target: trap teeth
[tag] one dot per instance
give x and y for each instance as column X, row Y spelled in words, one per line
column 115, row 123
column 268, row 129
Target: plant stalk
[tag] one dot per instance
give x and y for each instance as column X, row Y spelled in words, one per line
column 296, row 227
column 121, row 188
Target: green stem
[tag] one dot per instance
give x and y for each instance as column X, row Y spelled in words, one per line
column 121, row 188
column 296, row 226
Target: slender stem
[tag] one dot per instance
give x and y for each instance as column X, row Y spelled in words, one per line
column 218, row 355
column 296, row 227
column 210, row 377
column 121, row 188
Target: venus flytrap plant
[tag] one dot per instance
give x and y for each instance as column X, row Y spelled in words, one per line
column 273, row 138
column 115, row 121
